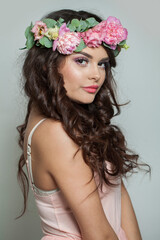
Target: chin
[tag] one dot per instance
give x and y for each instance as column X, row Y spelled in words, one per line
column 84, row 101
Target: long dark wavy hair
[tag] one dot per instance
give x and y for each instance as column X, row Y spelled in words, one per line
column 88, row 125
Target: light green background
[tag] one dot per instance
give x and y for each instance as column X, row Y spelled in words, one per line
column 138, row 79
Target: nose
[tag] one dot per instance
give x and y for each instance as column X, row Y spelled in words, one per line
column 94, row 73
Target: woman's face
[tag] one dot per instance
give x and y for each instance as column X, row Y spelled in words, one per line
column 84, row 73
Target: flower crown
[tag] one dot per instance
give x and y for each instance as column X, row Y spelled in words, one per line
column 77, row 34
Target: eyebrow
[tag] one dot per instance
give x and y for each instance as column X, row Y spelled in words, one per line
column 89, row 56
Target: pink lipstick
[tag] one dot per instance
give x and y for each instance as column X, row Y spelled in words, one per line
column 91, row 89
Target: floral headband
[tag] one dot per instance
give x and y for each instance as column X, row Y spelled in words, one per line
column 77, row 34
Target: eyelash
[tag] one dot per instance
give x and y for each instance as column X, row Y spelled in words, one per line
column 80, row 60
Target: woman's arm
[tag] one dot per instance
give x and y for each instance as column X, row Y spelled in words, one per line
column 128, row 218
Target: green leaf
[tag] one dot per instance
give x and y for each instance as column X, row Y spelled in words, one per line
column 28, row 29
column 116, row 52
column 48, row 43
column 122, row 43
column 91, row 22
column 41, row 41
column 72, row 28
column 22, row 48
column 106, row 45
column 78, row 29
column 30, row 36
column 68, row 23
column 75, row 22
column 49, row 22
column 61, row 20
column 82, row 26
column 30, row 41
column 80, row 46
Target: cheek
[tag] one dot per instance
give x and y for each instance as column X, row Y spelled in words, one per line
column 72, row 75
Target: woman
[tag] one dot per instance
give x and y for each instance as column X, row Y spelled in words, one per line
column 77, row 158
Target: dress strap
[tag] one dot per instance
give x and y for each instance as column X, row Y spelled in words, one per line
column 32, row 131
column 28, row 161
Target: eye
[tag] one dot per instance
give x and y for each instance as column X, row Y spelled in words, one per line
column 81, row 61
column 104, row 64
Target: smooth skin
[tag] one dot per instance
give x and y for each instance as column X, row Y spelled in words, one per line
column 53, row 165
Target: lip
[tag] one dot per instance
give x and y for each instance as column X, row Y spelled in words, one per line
column 90, row 90
column 92, row 86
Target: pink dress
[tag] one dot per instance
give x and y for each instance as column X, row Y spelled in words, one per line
column 57, row 219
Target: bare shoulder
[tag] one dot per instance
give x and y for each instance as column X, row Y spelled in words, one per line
column 51, row 129
column 51, row 141
column 53, row 133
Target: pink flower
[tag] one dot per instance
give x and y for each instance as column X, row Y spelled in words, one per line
column 100, row 26
column 113, row 32
column 39, row 30
column 109, row 31
column 63, row 29
column 92, row 38
column 67, row 43
column 101, row 29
